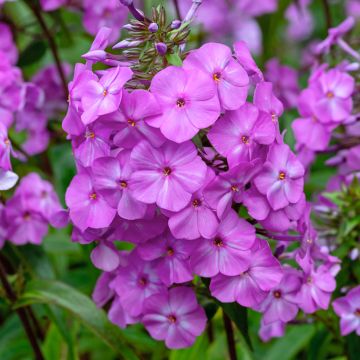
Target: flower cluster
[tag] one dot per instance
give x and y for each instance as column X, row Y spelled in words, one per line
column 168, row 168
column 25, row 217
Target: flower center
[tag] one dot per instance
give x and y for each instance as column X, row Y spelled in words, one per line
column 90, row 135
column 123, row 184
column 309, row 280
column 27, row 216
column 196, row 203
column 282, row 175
column 180, row 103
column 172, row 319
column 7, row 142
column 167, row 171
column 357, row 312
column 93, row 196
column 277, row 294
column 329, row 94
column 131, row 122
column 142, row 281
column 234, row 188
column 245, row 139
column 217, row 76
column 44, row 194
column 274, row 117
column 170, row 251
column 218, row 242
column 105, row 92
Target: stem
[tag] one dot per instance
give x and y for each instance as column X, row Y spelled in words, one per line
column 229, row 336
column 39, row 16
column 348, row 49
column 327, row 13
column 210, row 331
column 177, row 9
column 21, row 313
column 193, row 10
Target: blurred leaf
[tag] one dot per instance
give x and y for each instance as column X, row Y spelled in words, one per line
column 32, row 53
column 174, row 59
column 296, row 339
column 195, row 352
column 53, row 344
column 60, row 294
column 353, row 346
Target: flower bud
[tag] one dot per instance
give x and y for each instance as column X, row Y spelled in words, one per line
column 175, row 24
column 161, row 48
column 126, row 2
column 153, row 27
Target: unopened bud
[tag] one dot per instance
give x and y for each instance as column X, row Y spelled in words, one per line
column 153, row 27
column 175, row 24
column 161, row 48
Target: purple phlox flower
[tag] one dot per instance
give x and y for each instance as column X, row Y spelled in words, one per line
column 51, row 5
column 281, row 303
column 7, row 46
column 136, row 282
column 88, row 208
column 333, row 94
column 280, row 220
column 99, row 14
column 285, row 82
column 175, row 317
column 92, row 143
column 257, row 7
column 198, row 218
column 301, row 23
column 173, row 265
column 112, row 181
column 168, row 175
column 189, row 102
column 353, row 158
column 239, row 134
column 105, row 256
column 244, row 57
column 265, row 100
column 308, row 130
column 229, row 186
column 353, row 8
column 252, row 286
column 229, row 77
column 275, row 329
column 334, row 34
column 281, row 178
column 8, row 179
column 227, row 252
column 318, row 284
column 37, row 142
column 135, row 108
column 102, row 292
column 348, row 308
column 103, row 96
column 5, row 148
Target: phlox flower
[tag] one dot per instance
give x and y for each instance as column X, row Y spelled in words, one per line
column 168, row 175
column 175, row 317
column 227, row 252
column 250, row 287
column 227, row 74
column 189, row 102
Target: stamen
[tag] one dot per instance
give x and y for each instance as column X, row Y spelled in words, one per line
column 357, row 312
column 172, row 319
column 277, row 294
column 196, row 203
column 282, row 175
column 142, row 281
column 234, row 188
column 93, row 196
column 309, row 280
column 274, row 117
column 180, row 103
column 7, row 142
column 217, row 76
column 170, row 251
column 123, row 184
column 167, row 171
column 245, row 139
column 90, row 135
column 105, row 92
column 131, row 122
column 329, row 94
column 218, row 242
column 27, row 216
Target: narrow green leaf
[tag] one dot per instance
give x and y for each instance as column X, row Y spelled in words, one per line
column 62, row 295
column 296, row 339
column 195, row 352
column 33, row 53
column 174, row 59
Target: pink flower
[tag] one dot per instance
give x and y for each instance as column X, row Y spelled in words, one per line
column 189, row 102
column 348, row 308
column 227, row 252
column 239, row 134
column 87, row 207
column 103, row 96
column 250, row 288
column 167, row 176
column 228, row 75
column 173, row 265
column 174, row 316
column 282, row 177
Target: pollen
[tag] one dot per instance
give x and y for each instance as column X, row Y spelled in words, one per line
column 142, row 281
column 93, row 196
column 277, row 294
column 329, row 94
column 196, row 203
column 123, row 184
column 234, row 188
column 218, row 242
column 170, row 251
column 245, row 139
column 282, row 175
column 309, row 280
column 131, row 122
column 217, row 76
column 172, row 319
column 180, row 103
column 27, row 216
column 7, row 142
column 105, row 92
column 357, row 312
column 274, row 117
column 167, row 171
column 90, row 135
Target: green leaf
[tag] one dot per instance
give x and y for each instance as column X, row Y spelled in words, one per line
column 174, row 59
column 53, row 343
column 32, row 53
column 195, row 352
column 62, row 295
column 296, row 339
column 353, row 346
